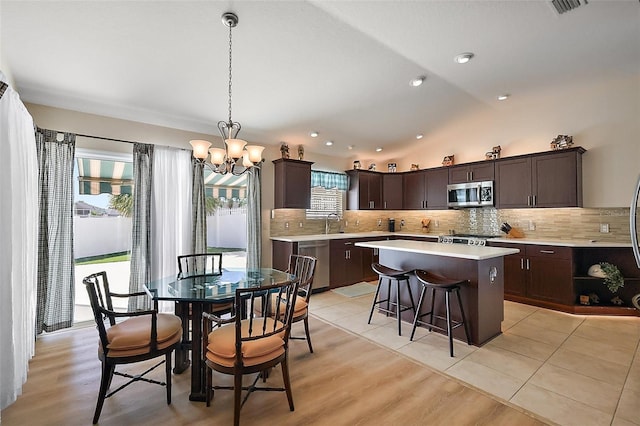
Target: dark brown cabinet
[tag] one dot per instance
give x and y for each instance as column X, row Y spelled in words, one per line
column 292, row 187
column 550, row 274
column 350, row 264
column 345, row 263
column 551, row 179
column 392, row 191
column 539, row 274
column 365, row 190
column 473, row 172
column 425, row 189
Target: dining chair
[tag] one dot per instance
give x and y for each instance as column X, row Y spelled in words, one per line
column 239, row 347
column 143, row 335
column 304, row 269
column 190, row 265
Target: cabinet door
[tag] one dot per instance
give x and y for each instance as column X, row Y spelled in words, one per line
column 436, row 184
column 557, row 180
column 513, row 182
column 515, row 275
column 550, row 279
column 392, row 191
column 365, row 190
column 375, row 190
column 472, row 173
column 337, row 263
column 414, row 192
column 459, row 174
column 292, row 184
column 482, row 172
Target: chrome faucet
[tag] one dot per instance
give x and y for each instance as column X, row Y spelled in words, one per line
column 327, row 225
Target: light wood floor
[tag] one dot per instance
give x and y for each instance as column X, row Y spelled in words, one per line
column 347, row 381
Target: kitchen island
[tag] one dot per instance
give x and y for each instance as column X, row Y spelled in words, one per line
column 482, row 267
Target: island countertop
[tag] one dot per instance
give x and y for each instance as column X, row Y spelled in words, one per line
column 461, row 251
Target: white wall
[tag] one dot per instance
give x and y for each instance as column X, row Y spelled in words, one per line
column 604, row 118
column 95, row 236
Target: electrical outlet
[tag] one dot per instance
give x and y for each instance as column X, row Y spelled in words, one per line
column 379, row 222
column 604, row 228
column 286, row 225
column 300, row 225
column 532, row 225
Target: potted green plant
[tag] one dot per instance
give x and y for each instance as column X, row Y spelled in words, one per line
column 612, row 276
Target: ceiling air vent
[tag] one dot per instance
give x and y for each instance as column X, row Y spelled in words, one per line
column 563, row 6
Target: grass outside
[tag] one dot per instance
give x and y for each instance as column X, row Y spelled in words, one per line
column 126, row 256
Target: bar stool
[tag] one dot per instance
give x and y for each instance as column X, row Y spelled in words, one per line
column 436, row 282
column 396, row 276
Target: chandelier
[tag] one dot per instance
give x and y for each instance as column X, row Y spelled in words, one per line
column 227, row 160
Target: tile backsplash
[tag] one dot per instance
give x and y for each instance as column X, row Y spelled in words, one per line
column 552, row 224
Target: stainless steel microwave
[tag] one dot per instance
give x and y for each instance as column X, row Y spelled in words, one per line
column 471, row 194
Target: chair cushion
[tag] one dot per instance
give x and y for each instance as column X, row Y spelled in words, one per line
column 299, row 309
column 133, row 336
column 221, row 347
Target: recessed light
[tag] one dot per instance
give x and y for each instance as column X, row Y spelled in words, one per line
column 328, row 143
column 418, row 81
column 350, row 147
column 378, row 149
column 463, row 58
column 419, row 136
column 314, row 134
column 503, row 97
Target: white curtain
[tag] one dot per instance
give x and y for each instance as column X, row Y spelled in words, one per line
column 18, row 243
column 171, row 217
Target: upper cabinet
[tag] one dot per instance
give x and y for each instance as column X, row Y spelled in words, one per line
column 425, row 189
column 292, row 184
column 552, row 179
column 392, row 191
column 473, row 172
column 365, row 190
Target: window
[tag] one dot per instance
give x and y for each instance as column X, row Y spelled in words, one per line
column 102, row 223
column 328, row 191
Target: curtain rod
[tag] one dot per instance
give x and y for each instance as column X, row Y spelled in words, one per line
column 114, row 140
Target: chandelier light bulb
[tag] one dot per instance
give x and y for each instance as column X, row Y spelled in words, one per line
column 217, row 156
column 255, row 153
column 235, row 147
column 200, row 148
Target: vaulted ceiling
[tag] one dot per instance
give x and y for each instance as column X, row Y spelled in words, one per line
column 341, row 68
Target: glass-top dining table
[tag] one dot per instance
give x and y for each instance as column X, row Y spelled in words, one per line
column 195, row 294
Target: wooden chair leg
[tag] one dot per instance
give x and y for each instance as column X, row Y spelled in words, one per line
column 306, row 331
column 237, row 400
column 417, row 316
column 449, row 329
column 167, row 368
column 464, row 319
column 375, row 300
column 287, row 382
column 105, row 381
column 208, row 384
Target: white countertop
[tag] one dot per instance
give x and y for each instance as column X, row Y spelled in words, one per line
column 371, row 234
column 560, row 243
column 383, row 234
column 462, row 251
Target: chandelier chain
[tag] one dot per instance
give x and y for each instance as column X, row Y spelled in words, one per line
column 230, row 50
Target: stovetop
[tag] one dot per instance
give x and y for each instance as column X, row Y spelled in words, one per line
column 469, row 239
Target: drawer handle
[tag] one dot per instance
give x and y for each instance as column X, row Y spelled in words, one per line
column 547, row 251
column 348, row 244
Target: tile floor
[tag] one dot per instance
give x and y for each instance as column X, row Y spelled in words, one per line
column 566, row 369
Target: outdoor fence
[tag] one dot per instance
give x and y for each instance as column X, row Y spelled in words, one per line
column 96, row 236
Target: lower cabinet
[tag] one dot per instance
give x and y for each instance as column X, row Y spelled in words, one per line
column 350, row 264
column 539, row 274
